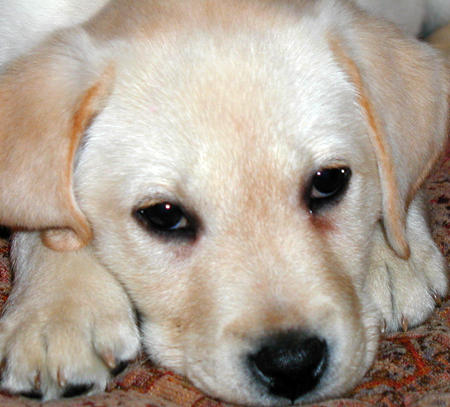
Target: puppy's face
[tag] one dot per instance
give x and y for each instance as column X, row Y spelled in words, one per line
column 236, row 160
column 234, row 195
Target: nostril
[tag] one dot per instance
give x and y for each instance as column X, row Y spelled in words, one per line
column 290, row 364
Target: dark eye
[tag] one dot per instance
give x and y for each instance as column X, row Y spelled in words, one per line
column 166, row 218
column 327, row 186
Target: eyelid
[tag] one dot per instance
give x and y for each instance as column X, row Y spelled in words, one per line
column 156, row 199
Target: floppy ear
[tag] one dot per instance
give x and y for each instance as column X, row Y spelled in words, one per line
column 402, row 88
column 47, row 100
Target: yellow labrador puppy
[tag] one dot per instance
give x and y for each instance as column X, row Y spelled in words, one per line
column 244, row 175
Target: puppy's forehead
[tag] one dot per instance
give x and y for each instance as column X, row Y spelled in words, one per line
column 151, row 18
column 216, row 101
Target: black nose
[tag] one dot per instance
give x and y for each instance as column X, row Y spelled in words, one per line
column 289, row 364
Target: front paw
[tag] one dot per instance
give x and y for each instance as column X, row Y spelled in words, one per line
column 66, row 346
column 406, row 291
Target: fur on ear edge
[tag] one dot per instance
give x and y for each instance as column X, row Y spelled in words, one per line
column 47, row 100
column 395, row 223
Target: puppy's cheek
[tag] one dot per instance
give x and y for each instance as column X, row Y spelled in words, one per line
column 353, row 343
column 349, row 325
column 164, row 346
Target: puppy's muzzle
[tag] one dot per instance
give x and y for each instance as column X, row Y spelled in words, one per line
column 289, row 364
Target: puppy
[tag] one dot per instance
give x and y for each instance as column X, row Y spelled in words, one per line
column 244, row 175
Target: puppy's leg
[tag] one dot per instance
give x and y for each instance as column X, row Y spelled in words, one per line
column 405, row 291
column 67, row 324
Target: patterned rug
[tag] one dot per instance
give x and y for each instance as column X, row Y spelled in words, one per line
column 412, row 369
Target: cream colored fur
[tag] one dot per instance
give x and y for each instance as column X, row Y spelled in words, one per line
column 228, row 108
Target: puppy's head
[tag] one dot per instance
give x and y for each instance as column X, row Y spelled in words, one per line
column 235, row 162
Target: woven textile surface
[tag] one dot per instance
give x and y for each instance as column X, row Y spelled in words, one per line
column 412, row 369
